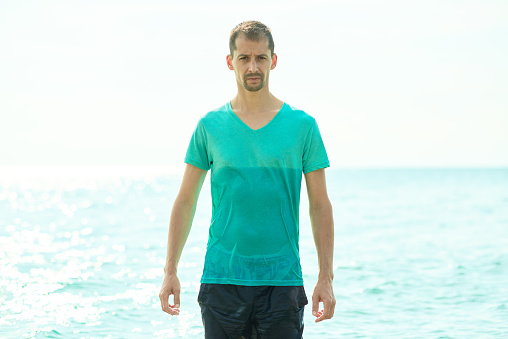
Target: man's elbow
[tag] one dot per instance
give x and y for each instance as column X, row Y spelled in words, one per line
column 185, row 202
column 320, row 206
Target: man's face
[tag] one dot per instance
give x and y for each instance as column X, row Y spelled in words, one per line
column 252, row 63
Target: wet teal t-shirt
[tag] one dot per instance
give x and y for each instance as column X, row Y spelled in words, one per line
column 255, row 181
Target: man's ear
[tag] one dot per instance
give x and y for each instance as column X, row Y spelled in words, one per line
column 274, row 61
column 229, row 60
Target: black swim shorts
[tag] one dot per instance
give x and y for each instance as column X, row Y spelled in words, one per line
column 252, row 312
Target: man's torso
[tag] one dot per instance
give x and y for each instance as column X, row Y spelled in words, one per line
column 255, row 180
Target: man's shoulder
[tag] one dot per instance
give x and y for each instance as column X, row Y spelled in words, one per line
column 215, row 115
column 299, row 115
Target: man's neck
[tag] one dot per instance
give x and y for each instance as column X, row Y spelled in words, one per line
column 247, row 102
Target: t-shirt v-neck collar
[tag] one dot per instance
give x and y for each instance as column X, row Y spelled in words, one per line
column 240, row 121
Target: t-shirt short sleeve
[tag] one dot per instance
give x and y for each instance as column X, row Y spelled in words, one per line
column 314, row 153
column 197, row 152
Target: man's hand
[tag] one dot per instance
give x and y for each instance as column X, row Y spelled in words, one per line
column 170, row 286
column 323, row 292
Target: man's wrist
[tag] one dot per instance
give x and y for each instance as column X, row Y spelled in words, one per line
column 325, row 276
column 170, row 270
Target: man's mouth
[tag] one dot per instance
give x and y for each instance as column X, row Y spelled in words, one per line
column 253, row 77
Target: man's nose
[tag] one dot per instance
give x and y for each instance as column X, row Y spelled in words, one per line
column 253, row 66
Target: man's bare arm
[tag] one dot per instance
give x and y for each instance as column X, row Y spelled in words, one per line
column 321, row 217
column 180, row 223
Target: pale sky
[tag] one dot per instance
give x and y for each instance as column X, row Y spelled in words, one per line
column 390, row 83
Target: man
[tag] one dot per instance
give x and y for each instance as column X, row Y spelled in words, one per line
column 256, row 147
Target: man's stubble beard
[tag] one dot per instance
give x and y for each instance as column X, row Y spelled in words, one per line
column 257, row 87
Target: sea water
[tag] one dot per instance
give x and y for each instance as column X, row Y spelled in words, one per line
column 419, row 253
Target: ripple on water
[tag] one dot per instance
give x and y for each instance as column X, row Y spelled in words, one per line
column 413, row 257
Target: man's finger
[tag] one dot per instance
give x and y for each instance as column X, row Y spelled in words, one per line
column 320, row 316
column 173, row 310
column 164, row 297
column 177, row 298
column 164, row 300
column 166, row 307
column 328, row 310
column 315, row 305
column 332, row 308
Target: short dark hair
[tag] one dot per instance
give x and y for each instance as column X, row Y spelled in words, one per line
column 253, row 30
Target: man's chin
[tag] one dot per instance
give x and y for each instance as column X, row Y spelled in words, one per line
column 253, row 89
